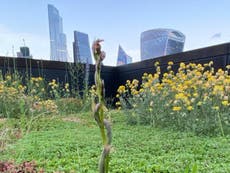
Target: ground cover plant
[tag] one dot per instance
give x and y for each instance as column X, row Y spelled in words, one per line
column 72, row 143
column 194, row 98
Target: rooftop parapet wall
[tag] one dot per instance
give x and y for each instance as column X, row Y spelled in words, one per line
column 219, row 54
column 116, row 76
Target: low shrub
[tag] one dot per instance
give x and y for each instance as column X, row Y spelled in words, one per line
column 195, row 98
column 69, row 105
column 34, row 96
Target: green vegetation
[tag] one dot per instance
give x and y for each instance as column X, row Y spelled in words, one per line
column 196, row 98
column 177, row 124
column 72, row 143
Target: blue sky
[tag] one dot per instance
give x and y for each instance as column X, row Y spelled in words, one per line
column 204, row 22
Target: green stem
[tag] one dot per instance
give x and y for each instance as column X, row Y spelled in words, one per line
column 103, row 136
column 220, row 124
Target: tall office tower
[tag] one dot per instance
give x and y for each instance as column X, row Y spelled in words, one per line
column 161, row 42
column 81, row 48
column 58, row 48
column 122, row 57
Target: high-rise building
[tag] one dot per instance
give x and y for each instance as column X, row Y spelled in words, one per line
column 161, row 42
column 58, row 48
column 81, row 48
column 122, row 57
column 24, row 52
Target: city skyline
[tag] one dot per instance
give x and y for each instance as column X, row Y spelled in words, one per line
column 203, row 23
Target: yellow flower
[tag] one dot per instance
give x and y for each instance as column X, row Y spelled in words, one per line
column 66, row 85
column 169, row 67
column 141, row 90
column 8, row 77
column 225, row 103
column 199, row 103
column 118, row 103
column 218, row 89
column 156, row 76
column 165, row 75
column 134, row 92
column 21, row 88
column 182, row 65
column 121, row 89
column 195, row 94
column 228, row 67
column 134, row 105
column 180, row 96
column 135, row 82
column 128, row 82
column 145, row 74
column 170, row 63
column 176, row 108
column 210, row 63
column 147, row 84
column 189, row 108
column 215, row 108
column 206, row 65
column 220, row 71
column 158, row 69
column 156, row 63
column 40, row 78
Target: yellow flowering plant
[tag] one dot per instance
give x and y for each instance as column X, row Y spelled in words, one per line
column 12, row 96
column 194, row 97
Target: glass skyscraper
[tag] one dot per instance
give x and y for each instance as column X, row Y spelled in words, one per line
column 58, row 48
column 161, row 42
column 81, row 48
column 122, row 57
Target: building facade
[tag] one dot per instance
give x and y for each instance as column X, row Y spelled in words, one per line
column 81, row 48
column 122, row 57
column 161, row 42
column 58, row 47
column 24, row 52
